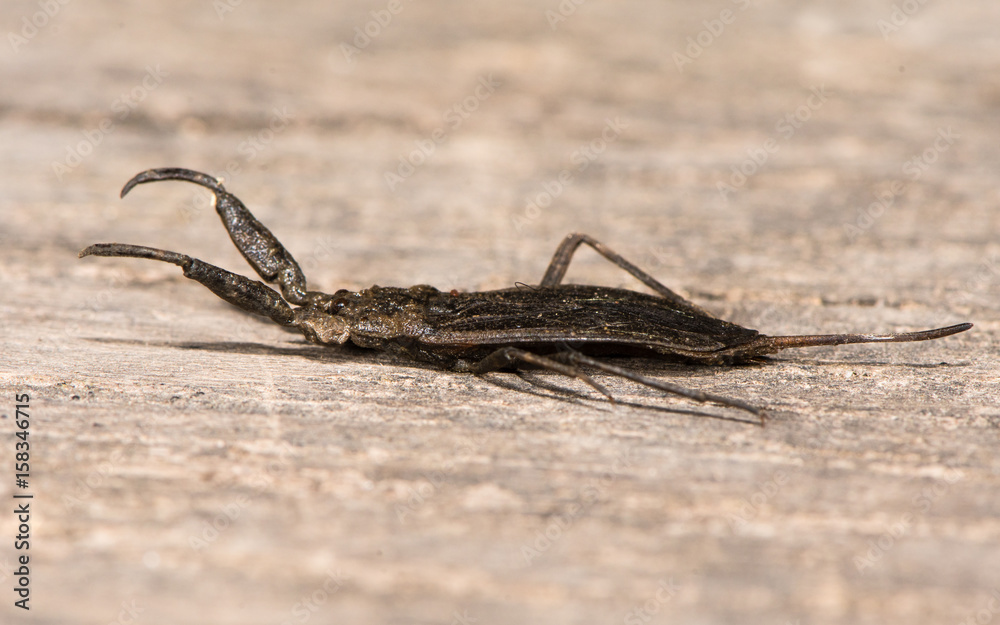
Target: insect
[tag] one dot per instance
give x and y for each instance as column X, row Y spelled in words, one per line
column 555, row 326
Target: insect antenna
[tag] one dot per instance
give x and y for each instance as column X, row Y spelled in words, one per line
column 810, row 340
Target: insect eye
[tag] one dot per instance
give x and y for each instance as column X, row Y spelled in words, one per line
column 337, row 301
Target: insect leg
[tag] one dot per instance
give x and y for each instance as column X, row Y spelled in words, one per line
column 259, row 247
column 576, row 358
column 250, row 295
column 507, row 356
column 564, row 253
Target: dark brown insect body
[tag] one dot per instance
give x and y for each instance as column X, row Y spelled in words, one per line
column 446, row 327
column 555, row 326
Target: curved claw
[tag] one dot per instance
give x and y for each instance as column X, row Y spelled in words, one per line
column 174, row 173
column 135, row 251
column 259, row 247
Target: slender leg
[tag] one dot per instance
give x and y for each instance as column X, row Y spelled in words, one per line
column 259, row 247
column 568, row 363
column 506, row 356
column 250, row 295
column 564, row 253
column 574, row 357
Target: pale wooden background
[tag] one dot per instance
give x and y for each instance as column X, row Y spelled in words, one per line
column 354, row 487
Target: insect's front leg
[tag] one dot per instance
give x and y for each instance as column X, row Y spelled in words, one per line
column 250, row 295
column 259, row 247
column 564, row 254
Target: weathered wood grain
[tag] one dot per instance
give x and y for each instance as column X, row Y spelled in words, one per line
column 346, row 486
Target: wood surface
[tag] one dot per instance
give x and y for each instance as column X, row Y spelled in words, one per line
column 191, row 464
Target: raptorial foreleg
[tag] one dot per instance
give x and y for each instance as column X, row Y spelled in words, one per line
column 259, row 247
column 249, row 295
